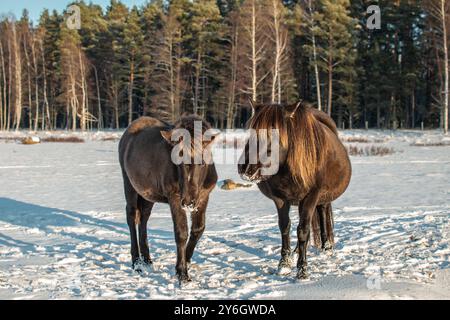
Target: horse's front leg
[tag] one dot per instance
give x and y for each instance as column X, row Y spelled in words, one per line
column 306, row 211
column 197, row 229
column 181, row 234
column 284, row 223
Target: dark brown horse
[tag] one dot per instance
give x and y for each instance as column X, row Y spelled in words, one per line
column 314, row 170
column 150, row 176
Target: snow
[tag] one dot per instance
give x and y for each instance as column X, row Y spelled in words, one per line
column 63, row 233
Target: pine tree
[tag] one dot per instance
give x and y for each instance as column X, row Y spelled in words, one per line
column 439, row 12
column 172, row 60
column 335, row 46
column 112, row 51
column 93, row 26
column 152, row 24
column 133, row 42
column 205, row 36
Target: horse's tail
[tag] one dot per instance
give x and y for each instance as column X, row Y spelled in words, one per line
column 328, row 225
column 316, row 240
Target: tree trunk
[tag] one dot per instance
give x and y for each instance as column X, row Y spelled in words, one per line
column 99, row 103
column 17, row 79
column 330, row 84
column 231, row 112
column 130, row 93
column 1, row 103
column 115, row 96
column 254, row 55
column 44, row 75
column 30, row 102
column 8, row 123
column 36, row 84
column 276, row 98
column 316, row 67
column 198, row 72
column 83, row 91
column 446, row 74
column 3, row 94
column 413, row 109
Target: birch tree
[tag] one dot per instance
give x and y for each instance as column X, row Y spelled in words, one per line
column 170, row 63
column 310, row 23
column 278, row 36
column 253, row 45
column 439, row 12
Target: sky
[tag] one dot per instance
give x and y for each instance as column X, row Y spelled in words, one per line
column 35, row 7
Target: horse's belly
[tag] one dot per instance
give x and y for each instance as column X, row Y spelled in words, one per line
column 142, row 184
column 152, row 197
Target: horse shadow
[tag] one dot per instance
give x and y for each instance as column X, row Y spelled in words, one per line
column 46, row 219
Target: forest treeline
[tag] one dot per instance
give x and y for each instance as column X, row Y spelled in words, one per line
column 210, row 56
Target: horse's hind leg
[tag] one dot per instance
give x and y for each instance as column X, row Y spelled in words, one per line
column 145, row 209
column 306, row 210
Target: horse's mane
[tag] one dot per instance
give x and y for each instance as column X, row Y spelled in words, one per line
column 301, row 133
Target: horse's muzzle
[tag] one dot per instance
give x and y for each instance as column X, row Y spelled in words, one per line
column 253, row 174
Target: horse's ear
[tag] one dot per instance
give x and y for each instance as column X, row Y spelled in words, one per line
column 167, row 135
column 292, row 109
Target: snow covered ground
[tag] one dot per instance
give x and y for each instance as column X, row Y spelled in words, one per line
column 63, row 233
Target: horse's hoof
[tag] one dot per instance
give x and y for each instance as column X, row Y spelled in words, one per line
column 302, row 274
column 184, row 282
column 284, row 267
column 184, row 278
column 137, row 268
column 135, row 264
column 143, row 265
column 327, row 246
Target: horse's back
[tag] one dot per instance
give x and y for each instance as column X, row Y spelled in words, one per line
column 144, row 126
column 144, row 122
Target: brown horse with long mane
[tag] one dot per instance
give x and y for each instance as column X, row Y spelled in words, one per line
column 150, row 176
column 314, row 170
